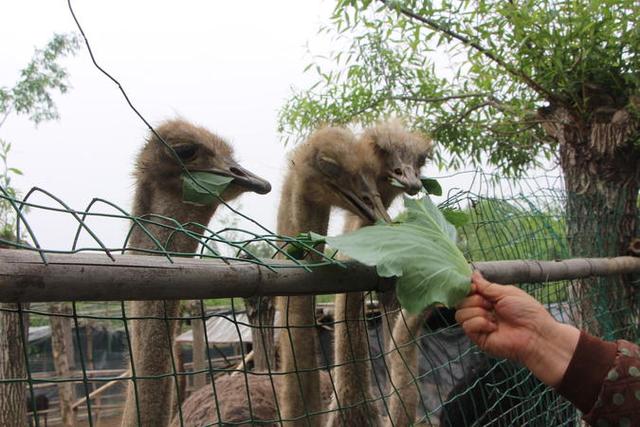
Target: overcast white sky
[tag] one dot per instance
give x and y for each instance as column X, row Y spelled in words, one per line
column 226, row 65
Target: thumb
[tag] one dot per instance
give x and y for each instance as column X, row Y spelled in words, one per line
column 489, row 290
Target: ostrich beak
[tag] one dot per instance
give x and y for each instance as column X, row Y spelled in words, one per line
column 407, row 178
column 248, row 180
column 369, row 206
column 242, row 177
column 379, row 211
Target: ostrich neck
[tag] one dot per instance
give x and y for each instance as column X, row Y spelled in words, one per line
column 351, row 349
column 152, row 335
column 152, row 204
column 299, row 390
column 297, row 214
column 402, row 354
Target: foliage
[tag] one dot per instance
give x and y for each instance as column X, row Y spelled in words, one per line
column 31, row 95
column 500, row 230
column 504, row 230
column 421, row 251
column 431, row 186
column 474, row 74
column 7, row 216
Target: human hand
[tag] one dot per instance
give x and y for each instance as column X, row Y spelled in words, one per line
column 507, row 322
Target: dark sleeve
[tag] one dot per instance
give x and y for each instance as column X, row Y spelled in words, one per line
column 603, row 381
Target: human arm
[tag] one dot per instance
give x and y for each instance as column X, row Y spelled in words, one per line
column 507, row 322
column 601, row 378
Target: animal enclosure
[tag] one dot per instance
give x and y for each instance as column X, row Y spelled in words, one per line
column 224, row 368
column 183, row 324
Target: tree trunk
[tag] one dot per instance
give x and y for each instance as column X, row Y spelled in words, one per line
column 600, row 160
column 13, row 397
column 601, row 223
column 261, row 314
column 60, row 337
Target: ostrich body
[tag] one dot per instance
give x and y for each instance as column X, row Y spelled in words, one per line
column 329, row 170
column 399, row 155
column 158, row 195
column 201, row 408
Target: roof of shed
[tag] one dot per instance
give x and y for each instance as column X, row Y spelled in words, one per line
column 224, row 328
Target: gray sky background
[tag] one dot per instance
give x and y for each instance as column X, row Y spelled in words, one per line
column 225, row 65
column 228, row 66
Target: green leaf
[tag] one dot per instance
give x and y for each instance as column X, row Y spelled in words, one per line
column 456, row 217
column 431, row 186
column 205, row 191
column 395, row 183
column 420, row 251
column 298, row 249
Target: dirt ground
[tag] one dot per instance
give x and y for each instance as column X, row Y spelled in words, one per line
column 103, row 422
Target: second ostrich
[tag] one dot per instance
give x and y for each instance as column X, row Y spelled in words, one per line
column 329, row 170
column 158, row 196
column 400, row 156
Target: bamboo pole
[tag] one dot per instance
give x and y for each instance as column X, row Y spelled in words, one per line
column 94, row 277
column 100, row 390
column 526, row 271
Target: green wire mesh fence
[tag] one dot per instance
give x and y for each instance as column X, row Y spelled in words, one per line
column 72, row 361
column 224, row 355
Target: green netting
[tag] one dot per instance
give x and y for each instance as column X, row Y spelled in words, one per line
column 455, row 383
column 220, row 383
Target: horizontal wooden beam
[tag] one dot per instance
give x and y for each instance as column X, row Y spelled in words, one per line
column 529, row 271
column 95, row 277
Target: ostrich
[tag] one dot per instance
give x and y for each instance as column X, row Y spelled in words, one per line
column 159, row 194
column 330, row 170
column 400, row 156
column 231, row 400
column 403, row 154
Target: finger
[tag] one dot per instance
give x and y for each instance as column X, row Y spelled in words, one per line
column 478, row 279
column 491, row 291
column 469, row 313
column 475, row 301
column 478, row 326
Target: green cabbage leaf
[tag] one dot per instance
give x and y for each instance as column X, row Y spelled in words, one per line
column 204, row 189
column 420, row 251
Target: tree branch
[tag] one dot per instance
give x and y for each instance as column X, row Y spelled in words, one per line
column 463, row 116
column 438, row 99
column 468, row 42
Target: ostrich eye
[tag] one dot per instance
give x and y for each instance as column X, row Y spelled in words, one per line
column 186, row 152
column 380, row 151
column 329, row 167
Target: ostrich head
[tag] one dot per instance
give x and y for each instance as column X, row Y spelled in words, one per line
column 195, row 149
column 332, row 169
column 402, row 154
